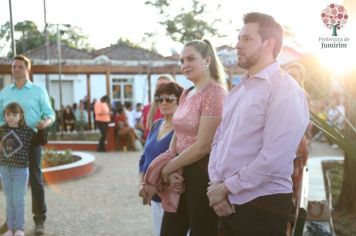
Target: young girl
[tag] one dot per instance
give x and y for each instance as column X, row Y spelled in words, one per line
column 16, row 139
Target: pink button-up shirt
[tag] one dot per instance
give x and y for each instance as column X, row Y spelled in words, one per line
column 264, row 119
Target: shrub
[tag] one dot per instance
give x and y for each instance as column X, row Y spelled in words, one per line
column 52, row 157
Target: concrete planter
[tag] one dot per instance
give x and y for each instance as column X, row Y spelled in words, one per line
column 83, row 167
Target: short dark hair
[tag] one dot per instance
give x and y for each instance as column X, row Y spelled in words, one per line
column 104, row 98
column 268, row 28
column 24, row 59
column 169, row 88
column 128, row 105
column 14, row 107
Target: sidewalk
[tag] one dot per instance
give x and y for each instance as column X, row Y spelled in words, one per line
column 106, row 202
column 320, row 152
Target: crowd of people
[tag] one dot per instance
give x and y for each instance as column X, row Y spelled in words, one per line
column 229, row 164
column 214, row 161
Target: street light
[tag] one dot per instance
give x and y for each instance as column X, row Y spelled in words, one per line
column 46, row 42
column 13, row 45
column 60, row 74
column 59, row 49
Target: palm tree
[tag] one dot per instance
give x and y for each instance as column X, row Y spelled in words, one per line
column 346, row 140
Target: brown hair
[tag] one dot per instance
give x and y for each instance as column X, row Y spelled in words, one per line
column 170, row 88
column 14, row 107
column 153, row 106
column 268, row 28
column 24, row 59
column 216, row 69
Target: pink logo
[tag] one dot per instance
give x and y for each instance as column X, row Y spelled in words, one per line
column 334, row 17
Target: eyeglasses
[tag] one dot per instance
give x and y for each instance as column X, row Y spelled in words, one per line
column 168, row 99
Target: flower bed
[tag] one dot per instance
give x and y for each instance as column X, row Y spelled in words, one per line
column 52, row 157
column 67, row 165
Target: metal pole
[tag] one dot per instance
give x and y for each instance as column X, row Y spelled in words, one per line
column 13, row 45
column 60, row 75
column 46, row 42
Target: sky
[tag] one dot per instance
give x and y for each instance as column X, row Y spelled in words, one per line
column 106, row 21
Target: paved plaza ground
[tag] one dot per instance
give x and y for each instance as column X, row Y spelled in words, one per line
column 105, row 202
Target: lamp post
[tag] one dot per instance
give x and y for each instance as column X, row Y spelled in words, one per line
column 60, row 75
column 46, row 42
column 59, row 48
column 13, row 45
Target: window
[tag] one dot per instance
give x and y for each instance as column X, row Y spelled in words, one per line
column 122, row 90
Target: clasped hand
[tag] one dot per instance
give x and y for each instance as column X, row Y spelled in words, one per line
column 147, row 192
column 217, row 194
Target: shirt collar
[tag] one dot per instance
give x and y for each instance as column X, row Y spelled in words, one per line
column 28, row 84
column 265, row 73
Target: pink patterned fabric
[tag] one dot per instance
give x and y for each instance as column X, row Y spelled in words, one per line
column 206, row 102
column 169, row 198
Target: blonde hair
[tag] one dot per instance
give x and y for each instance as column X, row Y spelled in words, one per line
column 153, row 106
column 216, row 69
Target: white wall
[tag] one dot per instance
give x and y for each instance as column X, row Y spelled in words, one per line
column 140, row 89
column 71, row 93
column 97, row 86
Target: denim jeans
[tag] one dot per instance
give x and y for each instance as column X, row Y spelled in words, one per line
column 157, row 215
column 39, row 208
column 14, row 181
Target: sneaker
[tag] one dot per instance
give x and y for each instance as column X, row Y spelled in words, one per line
column 8, row 233
column 3, row 228
column 19, row 233
column 39, row 228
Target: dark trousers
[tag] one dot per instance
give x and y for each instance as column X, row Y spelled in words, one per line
column 263, row 216
column 39, row 208
column 193, row 212
column 103, row 127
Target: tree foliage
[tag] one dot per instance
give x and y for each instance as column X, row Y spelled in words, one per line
column 71, row 36
column 31, row 37
column 346, row 139
column 188, row 24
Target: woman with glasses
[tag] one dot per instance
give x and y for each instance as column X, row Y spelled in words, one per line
column 150, row 112
column 195, row 122
column 158, row 140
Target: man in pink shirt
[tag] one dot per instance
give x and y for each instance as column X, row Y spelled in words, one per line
column 264, row 119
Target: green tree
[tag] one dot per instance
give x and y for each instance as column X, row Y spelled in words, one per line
column 346, row 140
column 32, row 37
column 71, row 36
column 348, row 190
column 4, row 35
column 128, row 42
column 188, row 24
